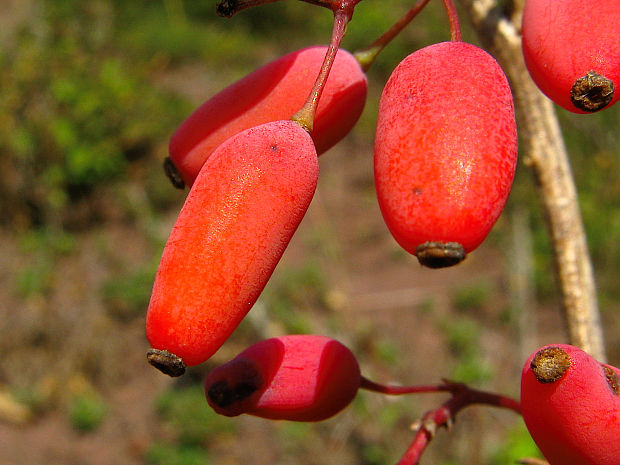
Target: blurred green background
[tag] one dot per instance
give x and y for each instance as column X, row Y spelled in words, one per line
column 90, row 92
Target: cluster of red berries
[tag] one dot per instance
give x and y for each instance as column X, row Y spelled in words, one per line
column 444, row 159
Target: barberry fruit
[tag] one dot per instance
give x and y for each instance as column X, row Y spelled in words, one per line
column 298, row 377
column 571, row 406
column 273, row 92
column 236, row 222
column 573, row 60
column 445, row 151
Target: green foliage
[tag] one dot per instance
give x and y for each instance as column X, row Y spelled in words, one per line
column 186, row 410
column 75, row 112
column 87, row 411
column 43, row 246
column 295, row 289
column 519, row 444
column 471, row 297
column 127, row 294
column 463, row 338
column 173, row 454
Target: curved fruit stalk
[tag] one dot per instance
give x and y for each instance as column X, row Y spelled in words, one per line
column 571, row 406
column 575, row 62
column 445, row 151
column 299, row 378
column 235, row 224
column 273, row 92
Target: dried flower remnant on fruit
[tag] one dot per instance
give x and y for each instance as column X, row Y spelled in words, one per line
column 173, row 174
column 226, row 8
column 592, row 92
column 440, row 254
column 166, row 362
column 550, row 364
column 612, row 380
column 224, row 394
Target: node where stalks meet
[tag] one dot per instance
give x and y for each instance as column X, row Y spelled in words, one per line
column 166, row 362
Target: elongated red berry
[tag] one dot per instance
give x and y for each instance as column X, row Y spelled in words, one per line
column 571, row 406
column 300, row 378
column 445, row 151
column 572, row 51
column 273, row 92
column 235, row 224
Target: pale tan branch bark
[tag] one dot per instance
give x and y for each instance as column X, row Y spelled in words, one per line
column 544, row 152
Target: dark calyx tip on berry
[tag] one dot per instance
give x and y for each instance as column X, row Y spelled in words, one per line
column 440, row 254
column 224, row 395
column 226, row 8
column 592, row 92
column 173, row 174
column 612, row 380
column 166, row 362
column 550, row 364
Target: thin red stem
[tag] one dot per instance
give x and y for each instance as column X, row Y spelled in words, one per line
column 462, row 397
column 229, row 8
column 453, row 17
column 305, row 116
column 398, row 390
column 366, row 56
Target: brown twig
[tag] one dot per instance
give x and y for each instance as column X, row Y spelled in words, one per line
column 544, row 152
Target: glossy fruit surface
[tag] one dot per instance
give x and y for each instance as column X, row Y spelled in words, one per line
column 299, row 378
column 236, row 222
column 574, row 43
column 273, row 92
column 571, row 406
column 445, row 150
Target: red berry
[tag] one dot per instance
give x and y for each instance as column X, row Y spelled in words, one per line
column 236, row 222
column 572, row 51
column 571, row 406
column 445, row 151
column 273, row 92
column 300, row 378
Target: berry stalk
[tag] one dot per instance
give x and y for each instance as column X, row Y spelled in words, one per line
column 367, row 56
column 453, row 17
column 305, row 116
column 462, row 396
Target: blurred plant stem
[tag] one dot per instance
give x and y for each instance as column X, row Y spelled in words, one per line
column 545, row 154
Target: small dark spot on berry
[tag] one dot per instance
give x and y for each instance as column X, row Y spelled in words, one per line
column 417, row 191
column 274, row 147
